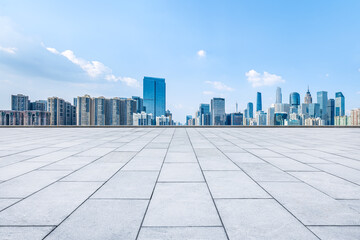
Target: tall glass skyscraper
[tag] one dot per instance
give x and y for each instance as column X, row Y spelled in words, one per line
column 294, row 99
column 339, row 104
column 322, row 99
column 154, row 93
column 250, row 110
column 331, row 111
column 258, row 102
column 218, row 111
column 278, row 95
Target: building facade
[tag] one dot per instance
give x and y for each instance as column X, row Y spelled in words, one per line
column 154, row 93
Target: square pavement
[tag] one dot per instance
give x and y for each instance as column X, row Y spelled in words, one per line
column 179, row 183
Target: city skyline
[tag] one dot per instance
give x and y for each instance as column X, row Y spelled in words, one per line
column 232, row 50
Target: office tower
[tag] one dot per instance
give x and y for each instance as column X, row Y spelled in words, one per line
column 154, row 93
column 258, row 102
column 188, row 118
column 308, row 98
column 57, row 108
column 294, row 99
column 314, row 110
column 203, row 110
column 113, row 112
column 279, row 119
column 139, row 104
column 99, row 111
column 330, row 111
column 236, row 119
column 19, row 102
column 271, row 116
column 169, row 115
column 278, row 95
column 322, row 99
column 127, row 108
column 217, row 111
column 84, row 111
column 250, row 110
column 261, row 118
column 142, row 119
column 339, row 104
column 206, row 119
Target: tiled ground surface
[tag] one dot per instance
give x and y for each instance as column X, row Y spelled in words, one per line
column 163, row 183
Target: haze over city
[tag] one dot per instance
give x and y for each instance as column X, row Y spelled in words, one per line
column 230, row 50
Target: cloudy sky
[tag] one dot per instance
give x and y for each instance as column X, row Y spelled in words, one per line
column 228, row 49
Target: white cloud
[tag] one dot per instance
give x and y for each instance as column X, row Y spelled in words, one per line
column 10, row 50
column 94, row 68
column 178, row 106
column 201, row 53
column 220, row 86
column 208, row 93
column 265, row 79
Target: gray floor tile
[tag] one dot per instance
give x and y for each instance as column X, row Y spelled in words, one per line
column 181, row 204
column 260, row 219
column 336, row 233
column 181, row 172
column 28, row 233
column 180, row 233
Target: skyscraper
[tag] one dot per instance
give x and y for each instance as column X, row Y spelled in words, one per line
column 84, row 111
column 294, row 99
column 113, row 112
column 278, row 95
column 322, row 99
column 258, row 102
column 19, row 102
column 99, row 111
column 139, row 104
column 154, row 93
column 339, row 104
column 127, row 108
column 308, row 98
column 204, row 110
column 331, row 111
column 250, row 110
column 217, row 111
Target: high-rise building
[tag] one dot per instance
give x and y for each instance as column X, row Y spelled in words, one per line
column 250, row 110
column 84, row 111
column 57, row 109
column 294, row 99
column 308, row 98
column 322, row 99
column 236, row 119
column 261, row 118
column 19, row 102
column 314, row 110
column 279, row 119
column 278, row 95
column 99, row 110
column 339, row 104
column 217, row 111
column 113, row 112
column 61, row 112
column 258, row 102
column 39, row 105
column 204, row 109
column 154, row 93
column 271, row 116
column 188, row 118
column 330, row 112
column 139, row 104
column 127, row 109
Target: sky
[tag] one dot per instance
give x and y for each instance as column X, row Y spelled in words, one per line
column 204, row 49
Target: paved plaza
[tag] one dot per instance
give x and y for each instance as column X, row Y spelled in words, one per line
column 179, row 183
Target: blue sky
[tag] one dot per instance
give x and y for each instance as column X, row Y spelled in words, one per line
column 203, row 49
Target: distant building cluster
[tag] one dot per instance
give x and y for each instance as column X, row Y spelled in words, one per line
column 93, row 111
column 324, row 112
